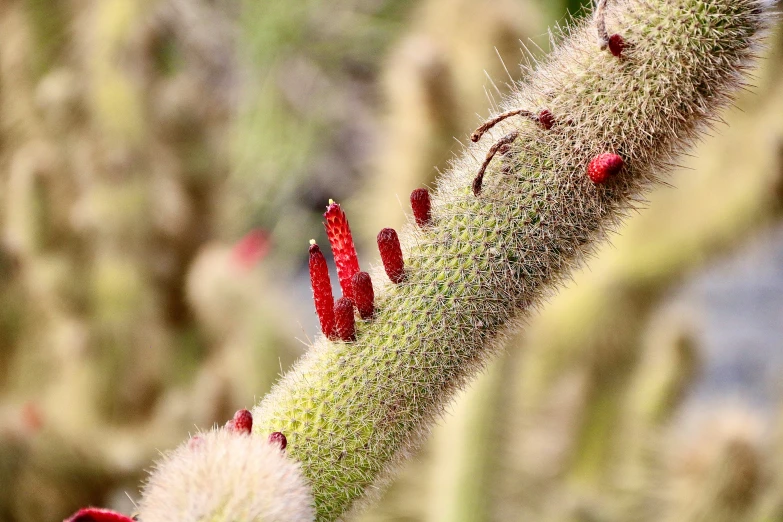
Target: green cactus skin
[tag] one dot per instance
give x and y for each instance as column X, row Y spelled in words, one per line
column 352, row 411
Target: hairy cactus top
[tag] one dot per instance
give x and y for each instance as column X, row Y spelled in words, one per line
column 352, row 410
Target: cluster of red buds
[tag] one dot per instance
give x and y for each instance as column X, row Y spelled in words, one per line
column 337, row 318
column 242, row 424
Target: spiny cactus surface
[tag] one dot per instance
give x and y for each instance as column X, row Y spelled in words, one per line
column 352, row 410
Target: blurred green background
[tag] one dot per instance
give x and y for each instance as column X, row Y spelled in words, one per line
column 163, row 164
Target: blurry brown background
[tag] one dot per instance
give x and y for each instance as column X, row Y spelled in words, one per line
column 163, row 164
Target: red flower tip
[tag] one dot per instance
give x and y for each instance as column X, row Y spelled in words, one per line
column 546, row 119
column 616, row 44
column 251, row 249
column 341, row 240
column 242, row 422
column 92, row 514
column 278, row 439
column 422, row 207
column 363, row 294
column 391, row 255
column 344, row 321
column 322, row 289
column 604, row 166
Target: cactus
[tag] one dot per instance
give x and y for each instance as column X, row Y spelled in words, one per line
column 352, row 410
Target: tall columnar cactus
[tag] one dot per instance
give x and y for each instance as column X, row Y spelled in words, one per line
column 353, row 410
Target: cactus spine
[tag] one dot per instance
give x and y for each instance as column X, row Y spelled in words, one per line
column 352, row 410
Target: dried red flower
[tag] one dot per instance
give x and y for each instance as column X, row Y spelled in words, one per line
column 616, row 44
column 341, row 240
column 546, row 119
column 391, row 255
column 278, row 439
column 604, row 166
column 363, row 294
column 322, row 289
column 344, row 321
column 422, row 207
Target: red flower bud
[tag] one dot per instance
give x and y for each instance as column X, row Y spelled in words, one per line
column 278, row 439
column 322, row 289
column 391, row 254
column 604, row 166
column 242, row 422
column 339, row 234
column 92, row 514
column 344, row 321
column 363, row 294
column 422, row 207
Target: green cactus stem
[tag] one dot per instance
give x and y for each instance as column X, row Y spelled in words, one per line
column 352, row 411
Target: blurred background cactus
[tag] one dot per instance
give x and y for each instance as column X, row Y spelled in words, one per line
column 164, row 163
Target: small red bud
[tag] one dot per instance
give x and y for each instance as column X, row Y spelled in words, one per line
column 92, row 514
column 546, row 119
column 341, row 240
column 604, row 166
column 278, row 439
column 345, row 323
column 363, row 294
column 391, row 255
column 322, row 289
column 616, row 44
column 242, row 422
column 422, row 207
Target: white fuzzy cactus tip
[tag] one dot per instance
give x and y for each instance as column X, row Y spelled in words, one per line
column 220, row 476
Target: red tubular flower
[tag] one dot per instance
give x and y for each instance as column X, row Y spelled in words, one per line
column 391, row 254
column 278, row 439
column 339, row 234
column 92, row 514
column 322, row 289
column 422, row 207
column 363, row 294
column 345, row 323
column 241, row 423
